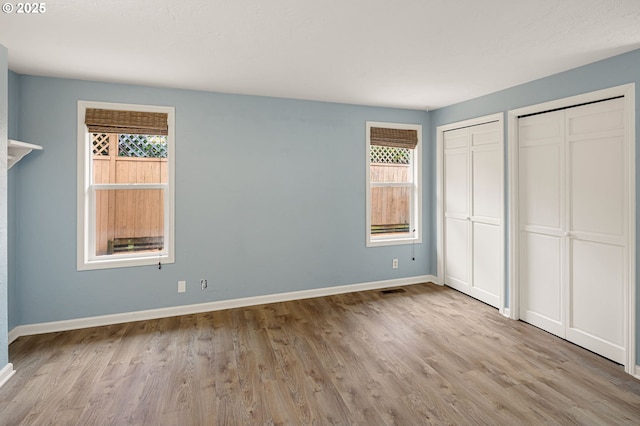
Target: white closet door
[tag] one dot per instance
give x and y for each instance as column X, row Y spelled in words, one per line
column 486, row 212
column 596, row 232
column 541, row 183
column 573, row 203
column 473, row 211
column 456, row 208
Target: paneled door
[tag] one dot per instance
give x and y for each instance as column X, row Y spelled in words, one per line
column 473, row 205
column 573, row 196
column 542, row 220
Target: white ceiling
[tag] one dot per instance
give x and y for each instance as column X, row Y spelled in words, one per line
column 399, row 53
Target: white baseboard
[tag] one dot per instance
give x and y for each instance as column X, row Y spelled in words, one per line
column 74, row 324
column 637, row 372
column 13, row 334
column 6, row 373
column 506, row 312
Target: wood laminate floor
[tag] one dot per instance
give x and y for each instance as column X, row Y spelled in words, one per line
column 429, row 355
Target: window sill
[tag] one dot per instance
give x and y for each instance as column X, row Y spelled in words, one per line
column 124, row 262
column 393, row 242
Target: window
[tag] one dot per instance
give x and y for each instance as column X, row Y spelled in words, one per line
column 393, row 183
column 125, row 185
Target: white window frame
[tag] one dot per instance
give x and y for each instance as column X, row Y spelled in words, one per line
column 415, row 236
column 87, row 260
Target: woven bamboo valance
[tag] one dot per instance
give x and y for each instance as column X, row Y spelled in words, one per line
column 398, row 138
column 126, row 122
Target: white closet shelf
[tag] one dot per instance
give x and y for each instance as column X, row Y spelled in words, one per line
column 16, row 150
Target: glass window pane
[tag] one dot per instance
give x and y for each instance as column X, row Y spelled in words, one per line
column 391, row 173
column 129, row 221
column 142, row 146
column 389, row 164
column 390, row 210
column 129, row 158
column 390, row 155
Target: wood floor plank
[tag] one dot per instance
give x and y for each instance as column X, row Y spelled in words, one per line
column 424, row 355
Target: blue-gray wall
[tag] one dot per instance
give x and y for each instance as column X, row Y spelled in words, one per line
column 616, row 71
column 4, row 106
column 270, row 198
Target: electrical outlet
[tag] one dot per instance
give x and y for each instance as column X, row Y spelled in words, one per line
column 182, row 286
column 203, row 284
column 395, row 263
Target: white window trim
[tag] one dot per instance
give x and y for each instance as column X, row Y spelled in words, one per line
column 416, row 198
column 86, row 237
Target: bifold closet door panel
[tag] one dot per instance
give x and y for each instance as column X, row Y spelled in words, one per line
column 597, row 204
column 486, row 211
column 541, row 219
column 456, row 208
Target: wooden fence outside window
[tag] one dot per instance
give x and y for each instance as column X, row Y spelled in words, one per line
column 131, row 213
column 390, row 207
